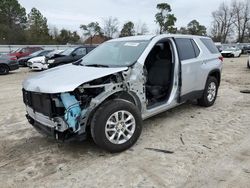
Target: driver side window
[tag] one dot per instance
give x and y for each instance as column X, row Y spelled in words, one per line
column 80, row 52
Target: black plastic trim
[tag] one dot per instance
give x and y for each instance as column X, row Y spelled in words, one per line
column 192, row 96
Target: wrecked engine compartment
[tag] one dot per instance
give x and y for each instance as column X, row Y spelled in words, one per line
column 66, row 115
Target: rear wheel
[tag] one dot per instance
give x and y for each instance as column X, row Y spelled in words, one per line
column 248, row 64
column 4, row 69
column 210, row 92
column 116, row 125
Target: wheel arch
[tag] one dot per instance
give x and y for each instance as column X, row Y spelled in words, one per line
column 215, row 73
column 122, row 95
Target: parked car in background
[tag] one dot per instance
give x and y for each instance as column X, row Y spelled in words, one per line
column 219, row 46
column 231, row 52
column 246, row 49
column 23, row 60
column 8, row 63
column 39, row 63
column 123, row 81
column 22, row 52
column 68, row 56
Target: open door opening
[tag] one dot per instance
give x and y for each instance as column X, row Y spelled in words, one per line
column 159, row 71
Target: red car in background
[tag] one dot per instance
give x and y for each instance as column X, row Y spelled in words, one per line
column 22, row 52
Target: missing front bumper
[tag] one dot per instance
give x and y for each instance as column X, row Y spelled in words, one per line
column 53, row 133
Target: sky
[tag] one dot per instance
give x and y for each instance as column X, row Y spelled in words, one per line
column 70, row 14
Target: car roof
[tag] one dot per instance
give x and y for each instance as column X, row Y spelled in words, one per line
column 150, row 37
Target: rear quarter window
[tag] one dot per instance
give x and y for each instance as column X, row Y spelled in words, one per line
column 210, row 45
column 187, row 48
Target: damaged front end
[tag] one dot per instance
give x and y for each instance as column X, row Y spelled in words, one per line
column 64, row 116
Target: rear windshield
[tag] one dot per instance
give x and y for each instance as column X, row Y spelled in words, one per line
column 210, row 45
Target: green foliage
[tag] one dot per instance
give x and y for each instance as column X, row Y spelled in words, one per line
column 17, row 28
column 12, row 13
column 38, row 31
column 12, row 18
column 182, row 30
column 91, row 30
column 67, row 36
column 128, row 29
column 165, row 19
column 194, row 28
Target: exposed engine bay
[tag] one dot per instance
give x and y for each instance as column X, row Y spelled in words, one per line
column 67, row 115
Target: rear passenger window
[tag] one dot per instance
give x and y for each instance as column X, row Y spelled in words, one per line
column 196, row 49
column 210, row 45
column 187, row 48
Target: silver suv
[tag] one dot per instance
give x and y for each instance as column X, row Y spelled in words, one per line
column 122, row 82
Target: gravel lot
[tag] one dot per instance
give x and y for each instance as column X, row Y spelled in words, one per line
column 211, row 145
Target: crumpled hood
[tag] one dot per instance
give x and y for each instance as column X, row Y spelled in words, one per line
column 66, row 78
column 35, row 59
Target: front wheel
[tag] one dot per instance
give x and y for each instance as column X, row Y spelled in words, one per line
column 116, row 125
column 210, row 92
column 4, row 69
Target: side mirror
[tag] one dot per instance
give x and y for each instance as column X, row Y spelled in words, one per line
column 73, row 54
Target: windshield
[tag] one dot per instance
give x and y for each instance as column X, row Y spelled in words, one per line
column 36, row 53
column 17, row 50
column 68, row 51
column 116, row 54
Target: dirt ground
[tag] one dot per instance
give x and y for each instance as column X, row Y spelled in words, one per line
column 211, row 145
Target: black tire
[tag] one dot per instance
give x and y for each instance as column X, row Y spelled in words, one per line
column 102, row 115
column 204, row 101
column 248, row 64
column 4, row 69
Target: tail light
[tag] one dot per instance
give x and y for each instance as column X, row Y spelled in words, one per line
column 221, row 58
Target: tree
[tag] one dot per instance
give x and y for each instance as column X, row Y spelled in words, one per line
column 128, row 29
column 110, row 27
column 194, row 28
column 38, row 27
column 12, row 18
column 247, row 37
column 222, row 25
column 91, row 30
column 241, row 17
column 165, row 20
column 182, row 30
column 67, row 36
column 141, row 28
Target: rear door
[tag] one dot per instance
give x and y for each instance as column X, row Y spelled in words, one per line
column 190, row 65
